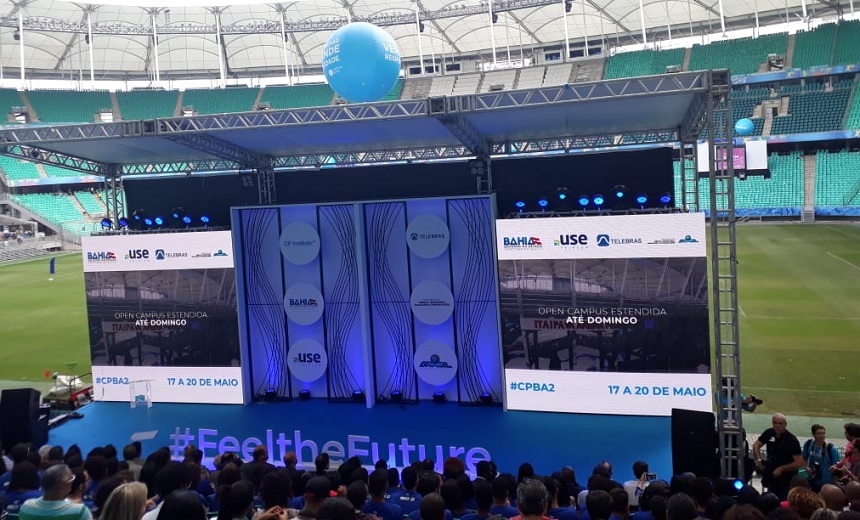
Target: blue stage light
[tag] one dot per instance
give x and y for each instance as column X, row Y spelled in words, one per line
column 620, row 190
column 138, row 215
column 186, row 220
column 177, row 212
column 665, row 198
column 598, row 200
column 148, row 221
column 641, row 199
column 542, row 202
column 123, row 223
column 106, row 223
column 159, row 221
column 204, row 219
column 739, row 484
column 561, row 193
column 520, row 205
column 584, row 200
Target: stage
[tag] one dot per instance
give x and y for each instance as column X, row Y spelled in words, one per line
column 547, row 440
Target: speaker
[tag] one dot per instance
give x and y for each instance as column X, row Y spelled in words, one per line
column 22, row 419
column 694, row 443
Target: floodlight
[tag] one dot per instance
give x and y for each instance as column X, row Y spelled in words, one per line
column 107, row 223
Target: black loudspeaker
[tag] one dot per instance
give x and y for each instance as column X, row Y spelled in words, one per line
column 694, row 443
column 22, row 419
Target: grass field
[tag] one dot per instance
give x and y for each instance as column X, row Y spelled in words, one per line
column 800, row 318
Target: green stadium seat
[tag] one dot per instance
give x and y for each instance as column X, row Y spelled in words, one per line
column 69, row 106
column 812, row 109
column 9, row 98
column 642, row 63
column 847, row 43
column 298, row 96
column 853, row 122
column 220, row 101
column 742, row 56
column 16, row 170
column 91, row 203
column 814, row 48
column 58, row 209
column 147, row 104
column 837, row 176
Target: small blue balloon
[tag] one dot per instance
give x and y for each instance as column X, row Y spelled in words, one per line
column 361, row 62
column 744, row 126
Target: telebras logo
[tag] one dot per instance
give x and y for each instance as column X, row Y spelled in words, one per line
column 400, row 453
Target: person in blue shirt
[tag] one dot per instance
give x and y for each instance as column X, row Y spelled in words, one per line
column 555, row 510
column 453, row 496
column 377, row 485
column 818, row 457
column 394, row 488
column 501, row 500
column 483, row 501
column 409, row 499
column 620, row 504
column 23, row 485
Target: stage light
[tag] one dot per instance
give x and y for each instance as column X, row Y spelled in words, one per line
column 739, row 484
column 486, row 399
column 159, row 221
column 620, row 191
column 358, row 396
column 396, row 396
column 304, row 395
column 543, row 202
column 439, row 397
column 584, row 200
column 641, row 199
column 107, row 224
column 665, row 199
column 123, row 223
column 598, row 200
column 177, row 212
column 561, row 193
column 271, row 395
column 138, row 215
column 204, row 219
column 186, row 220
column 147, row 222
column 520, row 205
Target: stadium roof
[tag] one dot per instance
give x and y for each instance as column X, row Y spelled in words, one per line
column 122, row 45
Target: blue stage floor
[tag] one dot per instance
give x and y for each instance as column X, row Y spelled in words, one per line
column 426, row 430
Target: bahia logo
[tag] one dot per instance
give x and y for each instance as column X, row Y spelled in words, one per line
column 571, row 240
column 159, row 254
column 303, row 302
column 137, row 254
column 101, row 256
column 435, row 362
column 522, row 242
column 604, row 240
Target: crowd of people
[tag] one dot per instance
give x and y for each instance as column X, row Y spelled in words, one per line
column 105, row 484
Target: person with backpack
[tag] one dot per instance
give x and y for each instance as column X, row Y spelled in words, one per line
column 818, row 456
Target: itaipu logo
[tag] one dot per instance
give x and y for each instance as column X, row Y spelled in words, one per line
column 101, row 256
column 435, row 362
column 522, row 243
column 604, row 240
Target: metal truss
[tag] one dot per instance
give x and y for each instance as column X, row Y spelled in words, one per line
column 186, row 167
column 207, row 143
column 42, row 156
column 88, row 132
column 113, row 195
column 466, row 133
column 558, row 213
column 416, row 154
column 330, row 23
column 568, row 144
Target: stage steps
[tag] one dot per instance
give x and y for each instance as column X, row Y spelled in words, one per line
column 177, row 110
column 809, row 163
column 789, row 51
column 34, row 116
column 686, row 65
column 258, row 98
column 114, row 107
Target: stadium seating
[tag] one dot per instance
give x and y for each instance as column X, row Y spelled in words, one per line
column 742, row 56
column 499, row 78
column 91, row 204
column 56, row 171
column 847, row 43
column 59, row 209
column 298, row 96
column 744, row 103
column 69, row 106
column 442, row 85
column 220, row 101
column 532, row 77
column 557, row 75
column 814, row 48
column 147, row 104
column 9, row 98
column 395, row 92
column 812, row 109
column 853, row 122
column 836, row 176
column 783, row 190
column 642, row 63
column 16, row 170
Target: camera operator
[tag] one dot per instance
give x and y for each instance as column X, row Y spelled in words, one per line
column 748, row 402
column 783, row 456
column 818, row 457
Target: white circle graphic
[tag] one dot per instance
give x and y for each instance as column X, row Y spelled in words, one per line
column 435, row 363
column 304, row 304
column 432, row 303
column 307, row 360
column 300, row 243
column 427, row 236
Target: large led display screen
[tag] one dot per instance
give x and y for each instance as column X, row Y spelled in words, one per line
column 605, row 314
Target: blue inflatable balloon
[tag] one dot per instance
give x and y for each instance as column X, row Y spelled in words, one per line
column 361, row 62
column 744, row 126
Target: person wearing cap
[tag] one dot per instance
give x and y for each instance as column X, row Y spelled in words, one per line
column 56, row 484
column 317, row 490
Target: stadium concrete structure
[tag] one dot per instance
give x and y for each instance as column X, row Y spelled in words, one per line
column 576, row 104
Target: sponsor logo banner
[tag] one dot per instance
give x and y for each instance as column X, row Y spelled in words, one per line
column 607, row 392
column 427, row 236
column 158, row 252
column 212, row 385
column 300, row 243
column 435, row 363
column 307, row 360
column 303, row 304
column 622, row 236
column 432, row 302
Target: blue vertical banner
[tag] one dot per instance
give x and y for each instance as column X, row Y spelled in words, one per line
column 52, row 266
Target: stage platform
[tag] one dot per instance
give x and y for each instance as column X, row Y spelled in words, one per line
column 425, row 430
